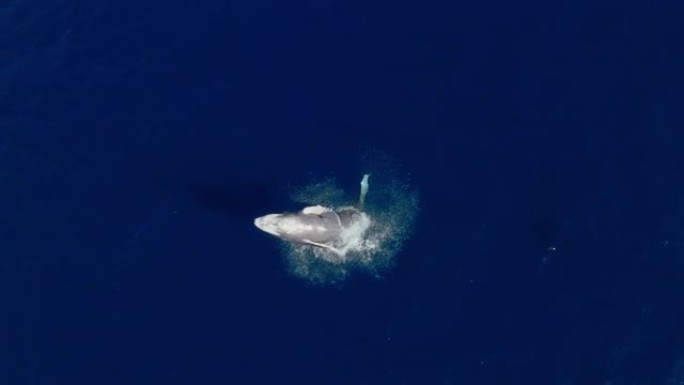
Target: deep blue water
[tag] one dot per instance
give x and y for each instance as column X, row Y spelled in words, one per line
column 138, row 140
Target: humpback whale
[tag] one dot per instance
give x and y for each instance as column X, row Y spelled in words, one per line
column 333, row 229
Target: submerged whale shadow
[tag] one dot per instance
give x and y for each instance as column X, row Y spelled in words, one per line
column 238, row 200
column 241, row 198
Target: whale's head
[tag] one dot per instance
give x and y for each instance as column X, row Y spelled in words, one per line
column 274, row 224
column 313, row 224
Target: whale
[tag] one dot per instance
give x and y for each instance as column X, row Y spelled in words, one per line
column 320, row 226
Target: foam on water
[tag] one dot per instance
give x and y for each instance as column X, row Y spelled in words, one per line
column 376, row 236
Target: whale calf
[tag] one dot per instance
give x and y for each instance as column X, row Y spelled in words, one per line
column 320, row 226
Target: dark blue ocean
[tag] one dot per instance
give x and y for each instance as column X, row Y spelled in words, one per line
column 139, row 140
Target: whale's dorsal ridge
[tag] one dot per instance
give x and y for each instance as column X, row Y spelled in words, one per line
column 316, row 210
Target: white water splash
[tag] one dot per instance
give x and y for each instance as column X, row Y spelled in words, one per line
column 377, row 235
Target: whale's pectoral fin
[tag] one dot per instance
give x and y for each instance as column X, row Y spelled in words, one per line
column 364, row 191
column 328, row 247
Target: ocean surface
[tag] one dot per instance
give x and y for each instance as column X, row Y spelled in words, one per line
column 139, row 140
